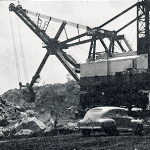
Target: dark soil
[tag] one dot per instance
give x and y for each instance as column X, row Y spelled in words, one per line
column 76, row 141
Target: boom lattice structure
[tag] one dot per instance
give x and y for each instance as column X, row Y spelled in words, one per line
column 107, row 78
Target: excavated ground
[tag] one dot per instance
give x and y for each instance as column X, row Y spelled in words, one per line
column 64, row 101
column 76, row 141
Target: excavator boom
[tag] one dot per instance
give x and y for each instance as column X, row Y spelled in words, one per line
column 53, row 46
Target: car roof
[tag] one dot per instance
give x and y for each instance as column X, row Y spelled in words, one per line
column 101, row 111
column 107, row 108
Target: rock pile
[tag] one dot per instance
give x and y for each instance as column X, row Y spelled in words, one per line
column 17, row 121
column 53, row 102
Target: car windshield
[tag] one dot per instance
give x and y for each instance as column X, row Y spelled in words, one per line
column 93, row 114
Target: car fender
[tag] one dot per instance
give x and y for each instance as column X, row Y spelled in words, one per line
column 136, row 122
column 107, row 122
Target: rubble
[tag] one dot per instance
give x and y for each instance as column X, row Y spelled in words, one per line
column 45, row 117
column 1, row 134
column 19, row 108
column 3, row 122
column 46, row 114
column 17, row 121
column 24, row 132
column 48, row 130
column 31, row 113
column 30, row 123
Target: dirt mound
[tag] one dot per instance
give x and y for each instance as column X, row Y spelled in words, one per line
column 55, row 105
column 56, row 98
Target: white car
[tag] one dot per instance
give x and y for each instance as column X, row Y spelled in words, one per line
column 109, row 119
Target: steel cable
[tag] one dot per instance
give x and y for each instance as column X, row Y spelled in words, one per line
column 15, row 51
column 22, row 53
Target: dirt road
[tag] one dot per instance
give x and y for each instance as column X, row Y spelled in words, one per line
column 77, row 142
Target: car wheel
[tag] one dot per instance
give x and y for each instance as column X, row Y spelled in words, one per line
column 138, row 130
column 86, row 132
column 111, row 131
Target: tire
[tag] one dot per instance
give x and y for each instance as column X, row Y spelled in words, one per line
column 111, row 131
column 138, row 130
column 86, row 132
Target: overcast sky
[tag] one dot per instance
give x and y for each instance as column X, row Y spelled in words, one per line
column 90, row 13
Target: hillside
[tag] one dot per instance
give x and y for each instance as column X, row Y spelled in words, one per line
column 57, row 98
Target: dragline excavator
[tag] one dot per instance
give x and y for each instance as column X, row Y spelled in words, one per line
column 108, row 78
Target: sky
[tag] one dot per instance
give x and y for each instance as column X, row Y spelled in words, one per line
column 89, row 13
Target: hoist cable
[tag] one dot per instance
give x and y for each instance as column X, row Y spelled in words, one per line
column 57, row 20
column 61, row 36
column 79, row 48
column 116, row 46
column 22, row 53
column 15, row 51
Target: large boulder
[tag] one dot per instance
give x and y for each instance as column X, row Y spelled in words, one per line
column 30, row 123
column 48, row 129
column 23, row 115
column 6, row 131
column 45, row 117
column 24, row 132
column 19, row 108
column 51, row 122
column 9, row 130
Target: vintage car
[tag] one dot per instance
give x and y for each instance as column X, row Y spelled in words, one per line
column 111, row 120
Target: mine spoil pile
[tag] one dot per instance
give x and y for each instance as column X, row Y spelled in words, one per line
column 54, row 109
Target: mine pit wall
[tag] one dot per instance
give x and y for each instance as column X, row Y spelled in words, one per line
column 116, row 81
